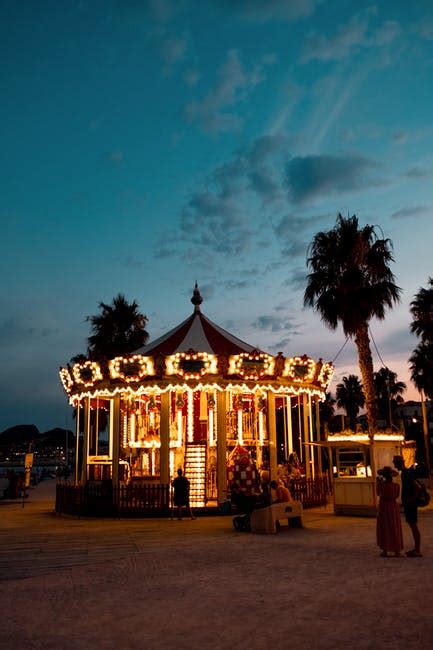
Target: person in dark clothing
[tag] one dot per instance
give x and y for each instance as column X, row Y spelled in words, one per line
column 266, row 499
column 409, row 492
column 181, row 494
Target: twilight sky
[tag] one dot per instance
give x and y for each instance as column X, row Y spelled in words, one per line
column 150, row 144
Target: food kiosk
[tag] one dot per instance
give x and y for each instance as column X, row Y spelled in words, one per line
column 355, row 459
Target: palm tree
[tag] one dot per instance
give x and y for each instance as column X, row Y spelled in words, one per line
column 421, row 309
column 421, row 361
column 350, row 283
column 389, row 392
column 326, row 411
column 421, row 366
column 350, row 397
column 118, row 329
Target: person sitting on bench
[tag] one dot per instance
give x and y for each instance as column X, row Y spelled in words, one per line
column 280, row 493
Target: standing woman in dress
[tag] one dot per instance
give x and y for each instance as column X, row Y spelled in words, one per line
column 388, row 529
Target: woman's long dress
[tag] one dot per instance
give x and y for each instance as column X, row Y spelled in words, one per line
column 388, row 530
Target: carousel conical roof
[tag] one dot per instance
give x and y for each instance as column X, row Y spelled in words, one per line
column 197, row 333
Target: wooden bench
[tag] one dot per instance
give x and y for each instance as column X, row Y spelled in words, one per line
column 265, row 520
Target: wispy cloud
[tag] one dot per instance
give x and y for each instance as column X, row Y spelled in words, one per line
column 292, row 232
column 115, row 157
column 281, row 345
column 141, row 11
column 418, row 172
column 405, row 136
column 266, row 10
column 297, row 279
column 14, row 331
column 215, row 112
column 349, row 39
column 214, row 218
column 424, row 29
column 271, row 323
column 169, row 46
column 191, row 77
column 284, row 326
column 409, row 212
column 131, row 262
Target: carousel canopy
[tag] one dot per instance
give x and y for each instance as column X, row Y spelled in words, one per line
column 197, row 333
column 197, row 349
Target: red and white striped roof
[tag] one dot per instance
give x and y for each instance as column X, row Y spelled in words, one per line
column 196, row 333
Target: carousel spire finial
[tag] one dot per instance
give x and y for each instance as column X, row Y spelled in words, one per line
column 196, row 298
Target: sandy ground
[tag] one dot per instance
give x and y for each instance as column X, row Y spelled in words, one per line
column 70, row 583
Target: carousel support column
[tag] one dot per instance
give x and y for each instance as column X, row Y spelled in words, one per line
column 77, row 439
column 318, row 436
column 222, row 446
column 85, row 454
column 306, row 430
column 289, row 425
column 115, row 439
column 310, row 420
column 165, row 439
column 272, row 429
column 301, row 446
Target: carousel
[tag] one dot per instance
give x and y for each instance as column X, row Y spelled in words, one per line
column 188, row 400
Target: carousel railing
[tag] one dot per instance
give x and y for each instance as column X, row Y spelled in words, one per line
column 69, row 498
column 101, row 499
column 142, row 499
column 311, row 492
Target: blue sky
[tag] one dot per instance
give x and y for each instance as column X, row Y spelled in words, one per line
column 147, row 145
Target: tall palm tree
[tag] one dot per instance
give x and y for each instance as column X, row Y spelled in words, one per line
column 421, row 309
column 389, row 392
column 350, row 397
column 350, row 283
column 118, row 329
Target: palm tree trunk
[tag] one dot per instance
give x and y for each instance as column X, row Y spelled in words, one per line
column 362, row 342
column 426, row 432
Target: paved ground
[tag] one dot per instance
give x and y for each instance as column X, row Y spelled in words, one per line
column 69, row 583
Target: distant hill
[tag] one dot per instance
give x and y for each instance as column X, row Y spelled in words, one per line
column 56, row 436
column 19, row 434
column 25, row 433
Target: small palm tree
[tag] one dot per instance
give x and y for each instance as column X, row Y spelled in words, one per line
column 421, row 309
column 350, row 283
column 421, row 360
column 350, row 397
column 389, row 392
column 118, row 329
column 421, row 367
column 327, row 411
